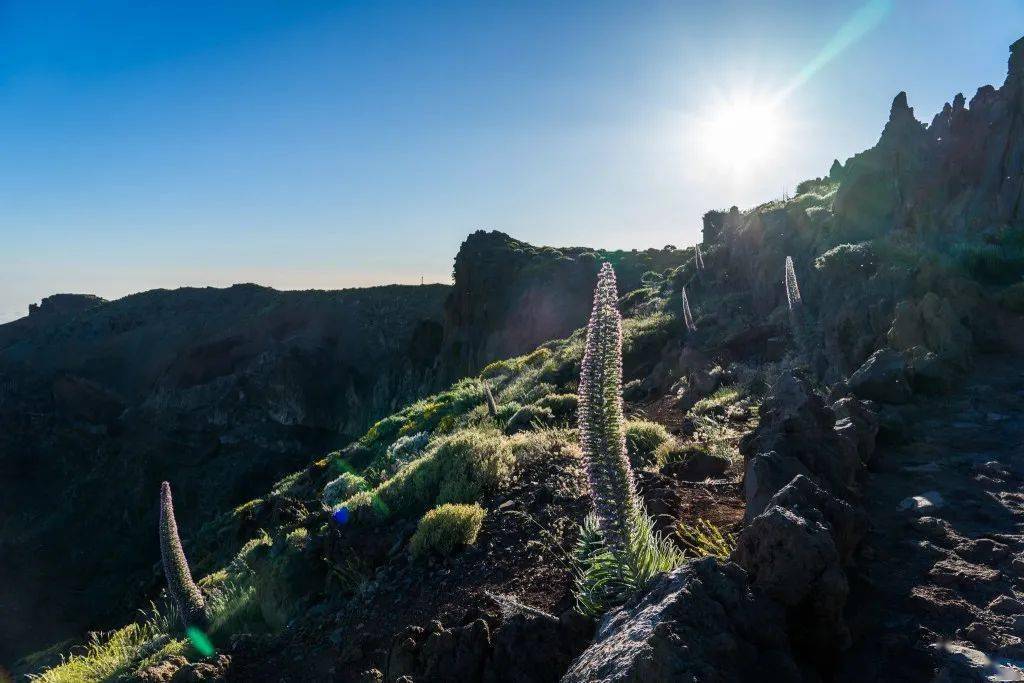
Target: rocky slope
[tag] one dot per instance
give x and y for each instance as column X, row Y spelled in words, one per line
column 802, row 428
column 100, row 400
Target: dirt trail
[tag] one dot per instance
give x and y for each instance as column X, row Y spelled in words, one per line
column 938, row 590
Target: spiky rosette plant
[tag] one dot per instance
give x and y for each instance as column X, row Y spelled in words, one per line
column 492, row 405
column 698, row 257
column 618, row 549
column 687, row 315
column 796, row 314
column 184, row 591
column 601, row 421
column 792, row 288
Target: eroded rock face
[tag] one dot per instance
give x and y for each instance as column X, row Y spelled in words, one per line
column 801, row 530
column 701, row 622
column 797, row 435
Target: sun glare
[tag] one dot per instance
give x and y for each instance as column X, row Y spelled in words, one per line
column 740, row 132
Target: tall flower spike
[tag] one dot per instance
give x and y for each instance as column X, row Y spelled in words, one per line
column 492, row 406
column 601, row 421
column 792, row 289
column 698, row 257
column 687, row 315
column 183, row 589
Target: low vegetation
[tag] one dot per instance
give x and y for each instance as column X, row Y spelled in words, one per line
column 447, row 528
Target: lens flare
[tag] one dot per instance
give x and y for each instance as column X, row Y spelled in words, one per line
column 200, row 641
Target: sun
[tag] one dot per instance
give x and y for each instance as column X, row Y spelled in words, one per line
column 740, row 132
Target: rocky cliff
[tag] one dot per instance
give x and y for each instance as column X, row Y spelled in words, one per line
column 510, row 296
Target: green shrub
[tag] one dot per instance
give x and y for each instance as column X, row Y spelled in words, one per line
column 115, row 655
column 562, row 406
column 722, row 397
column 457, row 468
column 506, row 411
column 846, row 260
column 542, row 444
column 991, row 263
column 642, row 441
column 342, row 488
column 447, row 528
column 529, row 417
column 405, row 449
column 704, row 539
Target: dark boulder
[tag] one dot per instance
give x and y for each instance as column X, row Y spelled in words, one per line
column 883, row 377
column 794, row 560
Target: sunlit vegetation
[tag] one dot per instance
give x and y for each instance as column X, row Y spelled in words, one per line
column 447, row 528
column 703, row 539
column 618, row 550
column 643, row 441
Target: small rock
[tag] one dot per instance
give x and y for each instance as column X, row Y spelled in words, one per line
column 954, row 572
column 933, row 527
column 981, row 634
column 1005, row 604
column 992, row 468
column 929, row 500
column 966, row 663
column 371, row 676
column 983, row 550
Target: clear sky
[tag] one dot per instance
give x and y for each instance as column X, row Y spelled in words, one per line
column 307, row 143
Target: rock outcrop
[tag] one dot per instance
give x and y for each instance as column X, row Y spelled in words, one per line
column 509, row 296
column 701, row 622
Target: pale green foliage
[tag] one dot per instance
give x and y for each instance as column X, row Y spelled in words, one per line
column 405, row 449
column 605, row 578
column 704, row 539
column 458, row 468
column 643, row 438
column 723, row 396
column 114, row 655
column 447, row 528
column 342, row 488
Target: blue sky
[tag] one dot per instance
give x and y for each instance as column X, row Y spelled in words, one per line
column 332, row 144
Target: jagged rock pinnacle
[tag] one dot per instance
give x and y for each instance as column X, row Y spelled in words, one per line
column 899, row 106
column 1015, row 66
